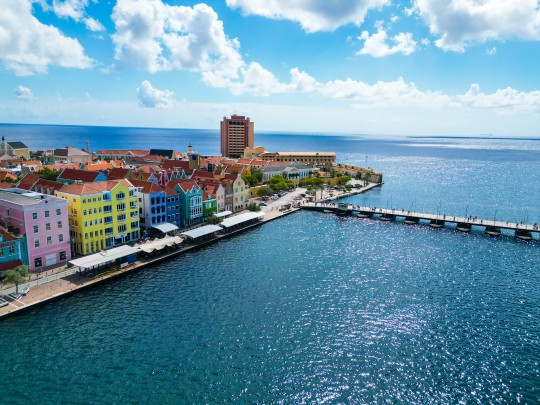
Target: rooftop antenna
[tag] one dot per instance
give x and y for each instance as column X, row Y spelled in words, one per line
column 88, row 145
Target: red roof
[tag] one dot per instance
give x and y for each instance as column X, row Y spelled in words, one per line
column 147, row 186
column 185, row 184
column 118, row 173
column 83, row 175
column 169, row 164
column 98, row 166
column 28, row 181
column 202, row 174
column 42, row 185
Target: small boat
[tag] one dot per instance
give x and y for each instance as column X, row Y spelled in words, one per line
column 436, row 223
column 493, row 231
column 328, row 211
column 463, row 227
column 524, row 234
column 363, row 214
column 411, row 220
column 387, row 217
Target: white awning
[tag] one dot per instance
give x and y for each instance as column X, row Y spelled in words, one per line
column 238, row 219
column 202, row 231
column 166, row 227
column 159, row 244
column 105, row 256
column 223, row 214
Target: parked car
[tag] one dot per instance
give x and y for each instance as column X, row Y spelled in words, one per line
column 263, row 204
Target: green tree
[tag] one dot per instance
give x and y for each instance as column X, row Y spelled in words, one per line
column 253, row 207
column 213, row 220
column 265, row 191
column 280, row 183
column 16, row 276
column 342, row 180
column 311, row 181
column 47, row 174
column 258, row 174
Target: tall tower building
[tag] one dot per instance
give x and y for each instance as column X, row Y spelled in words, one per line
column 236, row 134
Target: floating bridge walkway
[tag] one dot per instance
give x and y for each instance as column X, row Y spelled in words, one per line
column 463, row 224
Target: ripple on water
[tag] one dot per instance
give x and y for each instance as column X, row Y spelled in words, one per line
column 308, row 309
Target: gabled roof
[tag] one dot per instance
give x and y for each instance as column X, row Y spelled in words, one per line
column 147, row 187
column 168, row 190
column 17, row 145
column 44, row 184
column 28, row 181
column 31, row 163
column 7, row 175
column 118, row 173
column 149, row 169
column 83, row 175
column 98, row 166
column 169, row 164
column 202, row 174
column 94, row 188
column 184, row 184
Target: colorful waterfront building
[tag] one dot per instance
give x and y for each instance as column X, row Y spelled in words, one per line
column 12, row 250
column 102, row 215
column 240, row 192
column 191, row 201
column 152, row 203
column 174, row 212
column 42, row 221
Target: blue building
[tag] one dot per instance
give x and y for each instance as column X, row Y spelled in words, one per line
column 152, row 203
column 174, row 212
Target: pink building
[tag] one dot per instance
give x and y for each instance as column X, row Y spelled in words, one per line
column 41, row 221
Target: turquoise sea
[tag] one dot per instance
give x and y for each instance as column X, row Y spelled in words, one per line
column 310, row 308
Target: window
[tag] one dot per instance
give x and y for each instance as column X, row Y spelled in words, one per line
column 59, row 224
column 58, row 211
column 1, row 252
column 49, row 240
column 60, row 238
column 46, row 214
column 63, row 255
column 34, row 215
column 48, row 226
column 84, row 212
column 37, row 262
column 121, row 217
column 36, row 243
column 122, row 228
column 36, row 229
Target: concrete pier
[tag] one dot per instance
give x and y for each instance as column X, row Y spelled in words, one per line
column 521, row 230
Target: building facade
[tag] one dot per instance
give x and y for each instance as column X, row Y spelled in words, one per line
column 152, row 203
column 102, row 215
column 191, row 201
column 43, row 222
column 237, row 134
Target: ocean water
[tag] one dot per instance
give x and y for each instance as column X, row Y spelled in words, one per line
column 310, row 308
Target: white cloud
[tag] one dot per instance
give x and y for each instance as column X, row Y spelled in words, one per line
column 153, row 36
column 460, row 22
column 491, row 51
column 376, row 44
column 313, row 15
column 23, row 93
column 76, row 9
column 507, row 100
column 151, row 97
column 28, row 47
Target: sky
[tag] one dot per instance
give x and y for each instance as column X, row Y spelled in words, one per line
column 380, row 67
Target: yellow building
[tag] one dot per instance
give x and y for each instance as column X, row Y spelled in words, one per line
column 323, row 159
column 15, row 149
column 101, row 215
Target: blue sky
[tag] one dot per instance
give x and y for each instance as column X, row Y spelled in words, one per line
column 419, row 67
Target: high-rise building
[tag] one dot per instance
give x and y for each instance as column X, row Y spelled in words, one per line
column 236, row 134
